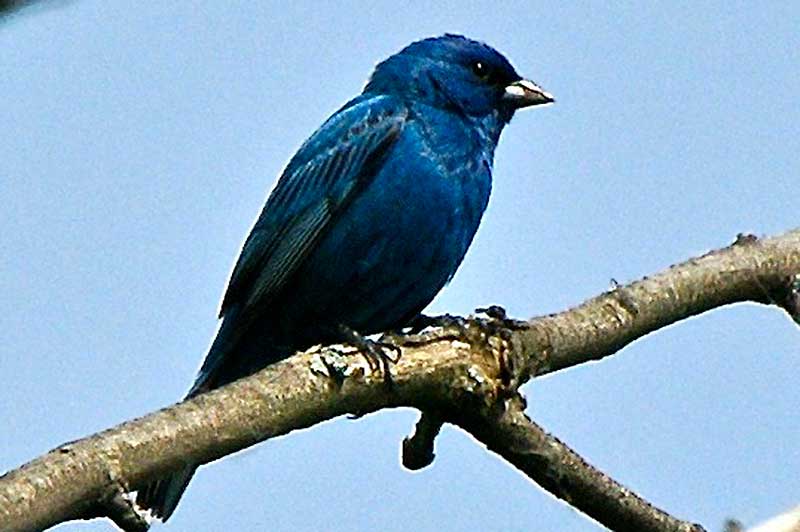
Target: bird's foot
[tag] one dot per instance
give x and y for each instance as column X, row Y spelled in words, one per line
column 498, row 315
column 422, row 322
column 375, row 352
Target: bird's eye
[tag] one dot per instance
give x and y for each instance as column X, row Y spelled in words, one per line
column 480, row 69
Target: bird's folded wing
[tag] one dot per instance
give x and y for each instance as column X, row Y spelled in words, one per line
column 328, row 171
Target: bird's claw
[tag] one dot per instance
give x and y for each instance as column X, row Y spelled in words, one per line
column 422, row 322
column 374, row 352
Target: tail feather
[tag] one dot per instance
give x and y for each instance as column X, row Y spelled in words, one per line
column 226, row 361
column 162, row 496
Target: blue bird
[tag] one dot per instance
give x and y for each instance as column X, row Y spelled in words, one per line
column 370, row 218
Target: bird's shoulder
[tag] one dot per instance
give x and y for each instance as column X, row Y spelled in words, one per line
column 350, row 124
column 325, row 174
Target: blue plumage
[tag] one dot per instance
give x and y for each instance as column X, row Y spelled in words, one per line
column 371, row 217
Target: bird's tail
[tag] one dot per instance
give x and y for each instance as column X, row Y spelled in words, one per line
column 228, row 359
column 161, row 496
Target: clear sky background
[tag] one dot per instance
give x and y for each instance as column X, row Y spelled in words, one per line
column 139, row 141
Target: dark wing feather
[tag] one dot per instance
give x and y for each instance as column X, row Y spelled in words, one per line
column 328, row 171
column 300, row 237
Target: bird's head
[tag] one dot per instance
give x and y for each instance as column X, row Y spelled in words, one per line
column 458, row 74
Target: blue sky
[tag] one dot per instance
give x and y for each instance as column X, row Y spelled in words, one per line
column 140, row 143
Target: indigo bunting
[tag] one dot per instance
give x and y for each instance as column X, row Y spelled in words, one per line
column 370, row 218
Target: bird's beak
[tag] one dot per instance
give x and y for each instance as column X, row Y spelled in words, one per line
column 524, row 93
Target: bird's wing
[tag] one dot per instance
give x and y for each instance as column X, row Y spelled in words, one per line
column 328, row 171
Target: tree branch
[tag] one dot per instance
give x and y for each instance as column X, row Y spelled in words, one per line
column 9, row 8
column 786, row 522
column 468, row 374
column 759, row 271
column 560, row 470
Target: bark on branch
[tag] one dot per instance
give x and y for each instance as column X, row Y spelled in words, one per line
column 465, row 374
column 560, row 470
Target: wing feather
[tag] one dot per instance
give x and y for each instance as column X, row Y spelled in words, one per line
column 329, row 170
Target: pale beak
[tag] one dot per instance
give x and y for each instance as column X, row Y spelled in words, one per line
column 524, row 93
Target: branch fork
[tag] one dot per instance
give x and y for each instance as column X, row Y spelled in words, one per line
column 467, row 373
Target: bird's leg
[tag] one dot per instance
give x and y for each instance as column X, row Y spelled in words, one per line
column 374, row 352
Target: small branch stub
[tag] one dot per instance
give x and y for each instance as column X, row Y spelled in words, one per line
column 417, row 451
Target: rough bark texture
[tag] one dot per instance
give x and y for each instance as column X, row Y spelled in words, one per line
column 465, row 373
